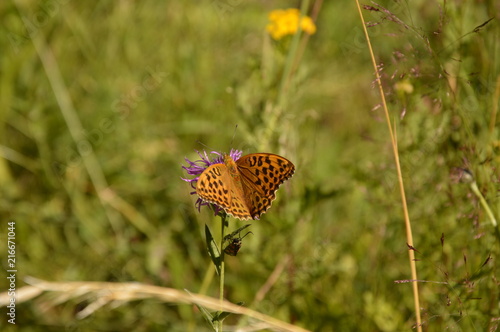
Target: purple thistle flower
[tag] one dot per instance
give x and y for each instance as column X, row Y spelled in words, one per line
column 199, row 166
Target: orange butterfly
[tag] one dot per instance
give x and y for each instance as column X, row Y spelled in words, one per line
column 244, row 188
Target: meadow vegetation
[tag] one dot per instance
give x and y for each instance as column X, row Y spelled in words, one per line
column 102, row 101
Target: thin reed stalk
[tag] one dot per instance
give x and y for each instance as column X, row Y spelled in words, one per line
column 392, row 133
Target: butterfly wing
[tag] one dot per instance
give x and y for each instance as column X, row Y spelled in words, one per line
column 215, row 185
column 261, row 176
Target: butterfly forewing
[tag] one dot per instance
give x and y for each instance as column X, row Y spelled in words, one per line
column 216, row 185
column 213, row 186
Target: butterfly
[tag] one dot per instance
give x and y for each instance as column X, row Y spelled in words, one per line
column 244, row 188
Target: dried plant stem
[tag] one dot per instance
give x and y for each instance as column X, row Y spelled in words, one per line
column 114, row 294
column 409, row 237
column 494, row 107
column 272, row 279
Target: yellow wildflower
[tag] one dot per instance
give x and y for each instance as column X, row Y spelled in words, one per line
column 285, row 22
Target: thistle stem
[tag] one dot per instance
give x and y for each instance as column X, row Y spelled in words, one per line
column 221, row 276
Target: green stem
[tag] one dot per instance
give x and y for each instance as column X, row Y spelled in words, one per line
column 292, row 54
column 221, row 276
column 274, row 117
column 485, row 205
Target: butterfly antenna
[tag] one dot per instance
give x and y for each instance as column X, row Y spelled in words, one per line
column 204, row 145
column 234, row 135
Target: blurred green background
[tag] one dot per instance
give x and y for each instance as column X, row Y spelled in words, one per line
column 102, row 101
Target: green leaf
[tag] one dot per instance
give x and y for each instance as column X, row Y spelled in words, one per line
column 213, row 250
column 206, row 314
column 221, row 315
column 208, row 317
